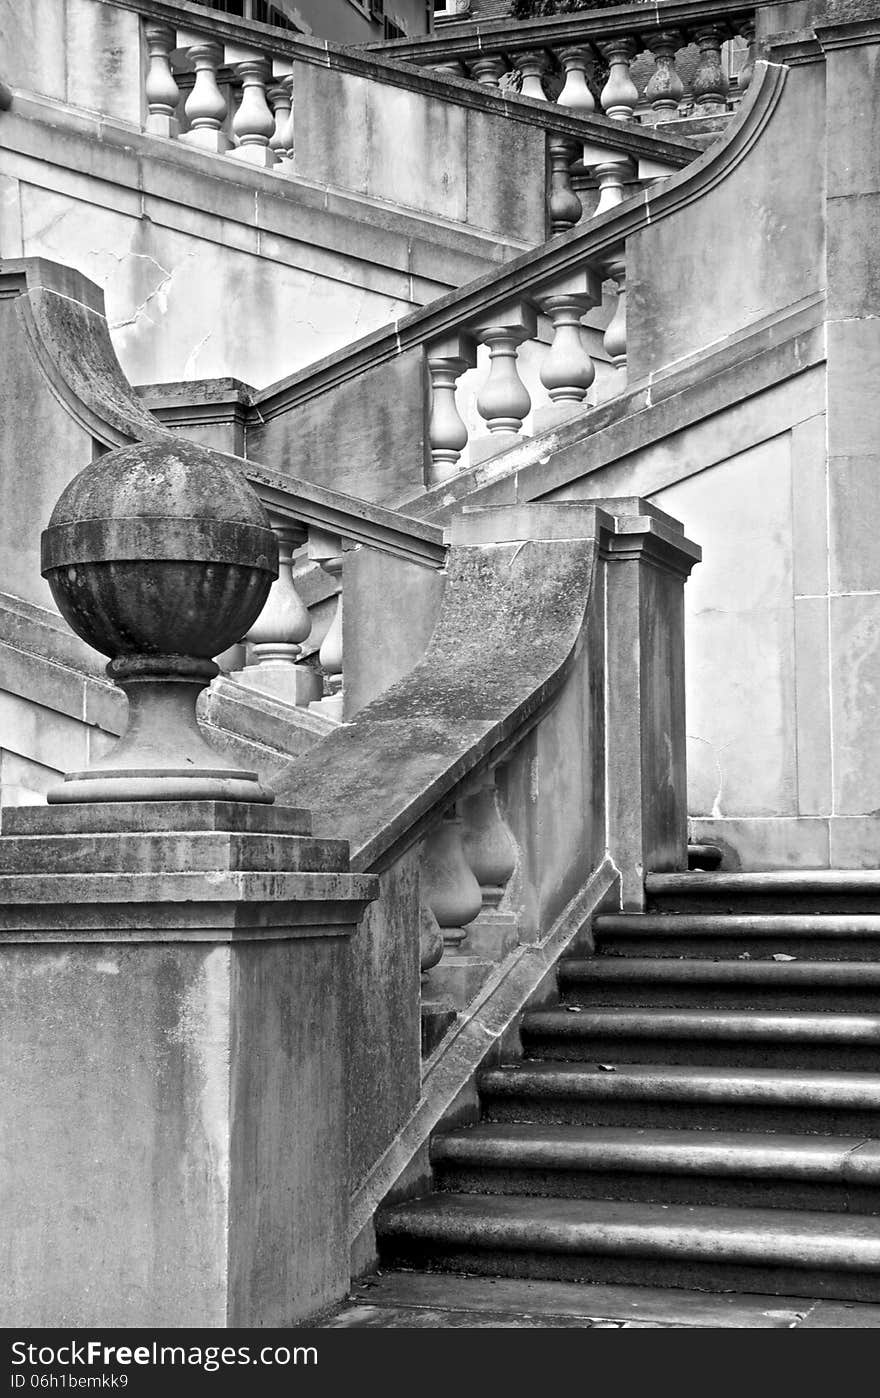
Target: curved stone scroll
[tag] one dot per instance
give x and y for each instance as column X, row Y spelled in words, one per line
column 508, row 629
column 62, row 315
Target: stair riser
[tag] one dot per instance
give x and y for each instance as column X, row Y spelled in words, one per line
column 710, row 997
column 660, row 1189
column 709, row 1053
column 684, row 1116
column 729, row 947
column 781, row 902
column 632, row 1271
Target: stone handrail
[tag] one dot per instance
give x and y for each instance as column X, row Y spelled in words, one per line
column 561, row 280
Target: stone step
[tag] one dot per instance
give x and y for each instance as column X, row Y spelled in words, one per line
column 609, row 1093
column 775, row 1251
column 791, row 1038
column 730, row 984
column 779, row 890
column 817, row 937
column 691, row 1167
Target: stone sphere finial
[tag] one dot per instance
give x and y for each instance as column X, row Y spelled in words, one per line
column 160, row 555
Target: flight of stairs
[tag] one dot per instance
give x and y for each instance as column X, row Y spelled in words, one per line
column 701, row 1109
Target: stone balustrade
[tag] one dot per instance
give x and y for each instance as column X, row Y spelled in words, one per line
column 697, row 59
column 223, row 97
column 467, row 386
column 467, row 864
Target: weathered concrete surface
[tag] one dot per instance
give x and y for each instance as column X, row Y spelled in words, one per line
column 175, row 1144
column 771, row 202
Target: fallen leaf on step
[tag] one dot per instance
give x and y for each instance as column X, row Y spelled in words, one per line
column 606, row 1067
column 573, row 1009
column 781, row 956
column 744, row 956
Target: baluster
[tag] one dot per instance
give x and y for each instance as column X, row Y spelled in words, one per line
column 614, row 338
column 504, row 399
column 283, row 623
column 532, row 66
column 665, row 88
column 567, row 371
column 280, row 98
column 326, row 549
column 161, row 88
column 746, row 72
column 206, row 106
column 620, row 94
column 487, row 70
column 449, row 888
column 447, row 359
column 452, row 66
column 491, row 852
column 564, row 206
column 285, row 135
column 253, row 123
column 611, row 172
column 710, row 85
column 430, row 940
column 575, row 94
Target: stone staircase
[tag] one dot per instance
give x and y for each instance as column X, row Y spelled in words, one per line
column 700, row 1108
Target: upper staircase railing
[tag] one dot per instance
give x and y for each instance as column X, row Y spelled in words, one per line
column 588, row 60
column 245, row 91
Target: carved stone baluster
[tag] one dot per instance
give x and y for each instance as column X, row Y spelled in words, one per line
column 575, row 93
column 161, row 88
column 564, row 206
column 487, row 70
column 611, row 171
column 452, row 65
column 326, row 549
column 206, row 106
column 449, row 888
column 253, row 123
column 279, row 96
column 285, row 135
column 746, row 72
column 710, row 84
column 532, row 66
column 430, row 940
column 620, row 94
column 282, row 625
column 614, row 338
column 568, row 371
column 665, row 88
column 503, row 401
column 447, row 359
column 491, row 852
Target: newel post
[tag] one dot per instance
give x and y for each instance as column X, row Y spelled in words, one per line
column 174, row 958
column 647, row 560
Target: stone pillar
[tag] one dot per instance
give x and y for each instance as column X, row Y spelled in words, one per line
column 174, row 954
column 647, row 560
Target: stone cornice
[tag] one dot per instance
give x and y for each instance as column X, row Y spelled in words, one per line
column 596, row 240
column 461, row 91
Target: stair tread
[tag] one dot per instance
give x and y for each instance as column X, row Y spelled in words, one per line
column 849, row 1242
column 826, row 1026
column 655, row 1149
column 673, row 1082
column 768, row 924
column 573, row 970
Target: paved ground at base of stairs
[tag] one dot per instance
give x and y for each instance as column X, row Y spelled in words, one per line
column 422, row 1301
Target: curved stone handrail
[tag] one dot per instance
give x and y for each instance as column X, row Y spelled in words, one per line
column 564, row 254
column 505, row 639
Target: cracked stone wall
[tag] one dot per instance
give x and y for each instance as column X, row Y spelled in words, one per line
column 181, row 306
